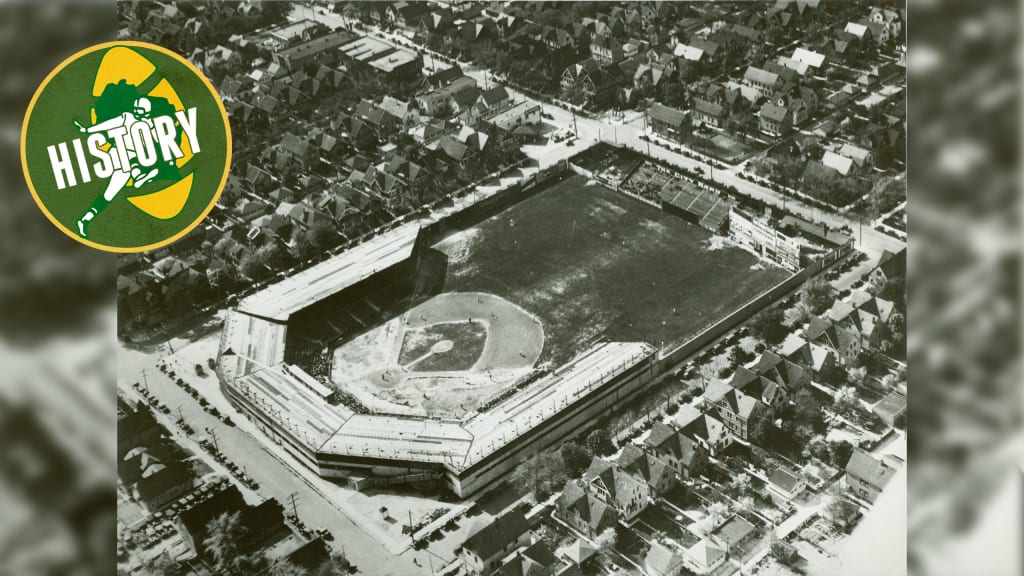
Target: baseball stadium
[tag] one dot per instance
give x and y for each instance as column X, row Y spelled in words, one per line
column 452, row 352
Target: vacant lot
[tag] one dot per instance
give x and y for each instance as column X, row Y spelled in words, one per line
column 591, row 263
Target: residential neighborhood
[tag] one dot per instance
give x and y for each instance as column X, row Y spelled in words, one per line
column 525, row 288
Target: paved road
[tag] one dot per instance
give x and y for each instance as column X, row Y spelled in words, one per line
column 628, row 133
column 277, row 479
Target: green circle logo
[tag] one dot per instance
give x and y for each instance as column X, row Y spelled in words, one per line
column 126, row 146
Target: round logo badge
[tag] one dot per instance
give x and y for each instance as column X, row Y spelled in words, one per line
column 126, row 146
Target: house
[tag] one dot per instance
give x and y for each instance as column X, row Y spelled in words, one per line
column 703, row 428
column 892, row 409
column 734, row 532
column 814, row 60
column 688, row 52
column 891, row 265
column 786, row 485
column 867, row 476
column 596, row 83
column 264, row 523
column 520, row 114
column 837, row 162
column 762, row 82
column 153, row 482
column 460, row 104
column 708, row 113
column 845, row 342
column 735, row 409
column 662, row 560
column 818, row 359
column 605, row 49
column 682, row 453
column 863, row 159
column 775, row 120
column 136, row 427
column 704, row 557
column 493, row 100
column 628, row 494
column 659, row 476
column 891, row 19
column 535, row 560
column 482, row 552
column 669, row 123
column 583, row 510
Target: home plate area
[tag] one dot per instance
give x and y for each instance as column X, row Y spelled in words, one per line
column 444, row 357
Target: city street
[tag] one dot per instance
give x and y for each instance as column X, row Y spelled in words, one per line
column 277, row 478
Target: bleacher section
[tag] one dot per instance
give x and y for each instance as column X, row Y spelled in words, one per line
column 695, row 204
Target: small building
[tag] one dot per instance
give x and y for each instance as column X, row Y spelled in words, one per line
column 786, row 485
column 661, row 560
column 705, row 556
column 668, row 122
column 892, row 409
column 775, row 120
column 866, row 476
column 483, row 551
column 710, row 113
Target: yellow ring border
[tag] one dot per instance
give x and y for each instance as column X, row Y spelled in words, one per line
column 227, row 158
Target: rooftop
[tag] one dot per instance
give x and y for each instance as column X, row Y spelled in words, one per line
column 279, row 301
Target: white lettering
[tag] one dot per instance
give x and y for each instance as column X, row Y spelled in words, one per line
column 187, row 119
column 142, row 142
column 165, row 132
column 63, row 171
column 105, row 166
column 117, row 135
column 83, row 167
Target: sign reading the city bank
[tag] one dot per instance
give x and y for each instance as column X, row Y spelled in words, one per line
column 126, row 146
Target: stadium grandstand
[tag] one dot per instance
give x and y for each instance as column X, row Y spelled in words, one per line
column 694, row 203
column 274, row 365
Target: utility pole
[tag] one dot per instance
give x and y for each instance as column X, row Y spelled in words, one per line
column 292, row 498
column 145, row 382
column 213, row 434
column 181, row 419
column 412, row 535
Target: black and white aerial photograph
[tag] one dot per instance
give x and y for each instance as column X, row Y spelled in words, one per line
column 542, row 288
column 528, row 288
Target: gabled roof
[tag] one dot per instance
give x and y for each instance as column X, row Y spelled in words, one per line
column 708, row 108
column 837, row 162
column 670, row 116
column 869, row 470
column 494, row 537
column 773, row 112
column 754, row 74
column 809, row 57
column 784, row 479
column 705, row 553
column 661, row 559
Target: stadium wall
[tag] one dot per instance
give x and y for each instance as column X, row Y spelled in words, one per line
column 574, row 419
column 495, row 204
column 745, row 312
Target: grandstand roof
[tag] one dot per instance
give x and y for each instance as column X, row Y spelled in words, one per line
column 249, row 344
column 281, row 300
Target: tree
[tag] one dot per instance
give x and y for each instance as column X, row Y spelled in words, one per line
column 834, row 374
column 817, row 295
column 336, row 565
column 784, row 552
column 839, row 453
column 224, row 535
column 857, row 376
column 600, row 442
column 760, row 431
column 845, row 400
column 576, row 457
column 607, row 539
column 543, row 475
column 160, row 565
column 745, row 504
column 282, row 567
column 838, row 509
column 768, row 325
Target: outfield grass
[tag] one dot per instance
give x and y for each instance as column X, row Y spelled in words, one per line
column 591, row 263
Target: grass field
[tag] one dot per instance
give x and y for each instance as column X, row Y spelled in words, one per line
column 451, row 346
column 591, row 263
